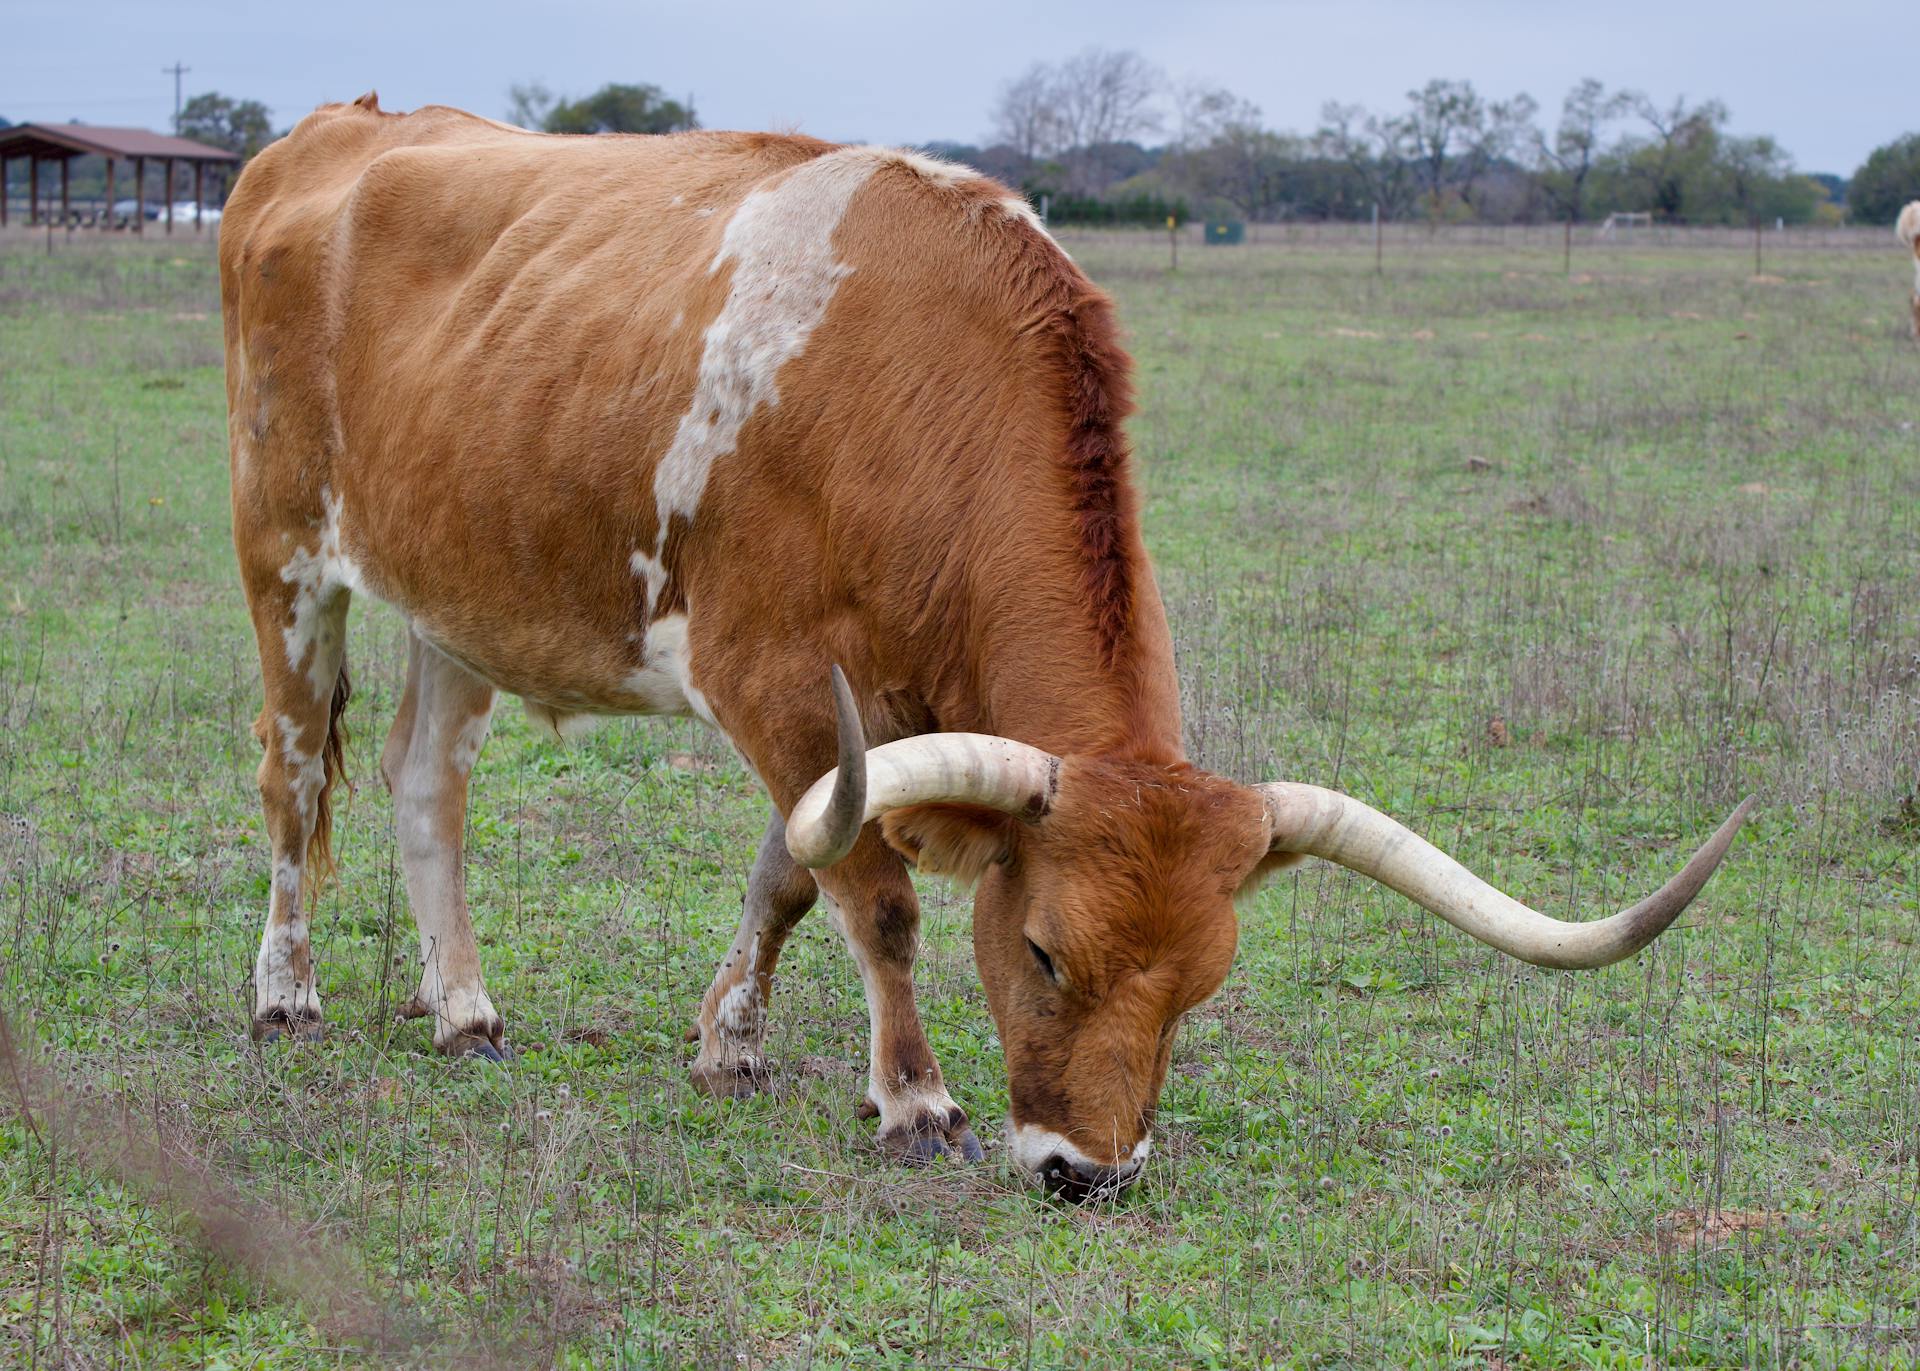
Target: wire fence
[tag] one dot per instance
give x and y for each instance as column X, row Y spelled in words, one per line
column 1403, row 238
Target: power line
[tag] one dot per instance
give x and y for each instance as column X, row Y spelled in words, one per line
column 178, row 71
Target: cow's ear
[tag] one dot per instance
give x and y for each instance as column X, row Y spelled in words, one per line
column 1267, row 866
column 960, row 841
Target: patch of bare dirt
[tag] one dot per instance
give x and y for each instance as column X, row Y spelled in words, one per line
column 1685, row 1228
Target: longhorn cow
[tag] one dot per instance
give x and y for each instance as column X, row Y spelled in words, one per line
column 689, row 425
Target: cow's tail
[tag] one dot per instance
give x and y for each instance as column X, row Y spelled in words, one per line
column 333, row 757
column 1908, row 226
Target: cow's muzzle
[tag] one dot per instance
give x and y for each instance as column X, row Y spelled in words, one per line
column 1064, row 1170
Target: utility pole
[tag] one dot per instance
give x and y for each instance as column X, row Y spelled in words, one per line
column 177, row 70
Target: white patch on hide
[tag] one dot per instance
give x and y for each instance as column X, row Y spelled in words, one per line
column 559, row 725
column 664, row 682
column 283, row 938
column 1016, row 207
column 651, row 569
column 468, row 739
column 780, row 244
column 306, row 773
column 317, row 575
column 936, row 169
column 737, row 1016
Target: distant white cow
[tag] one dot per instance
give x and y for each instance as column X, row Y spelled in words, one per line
column 1908, row 227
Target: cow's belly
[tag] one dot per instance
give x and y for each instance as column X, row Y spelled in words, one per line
column 567, row 635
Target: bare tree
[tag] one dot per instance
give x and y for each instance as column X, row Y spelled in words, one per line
column 1443, row 118
column 1223, row 151
column 1103, row 97
column 1250, row 167
column 1568, row 159
column 1504, row 130
column 1025, row 117
column 1679, row 131
column 1202, row 111
column 1376, row 150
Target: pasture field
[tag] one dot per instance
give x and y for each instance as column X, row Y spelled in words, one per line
column 1553, row 569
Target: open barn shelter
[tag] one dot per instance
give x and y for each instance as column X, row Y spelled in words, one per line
column 61, row 143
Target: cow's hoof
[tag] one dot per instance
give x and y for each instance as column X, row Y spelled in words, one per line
column 931, row 1137
column 731, row 1080
column 277, row 1025
column 486, row 1042
column 477, row 1045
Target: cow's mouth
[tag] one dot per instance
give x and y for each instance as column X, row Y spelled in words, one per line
column 1080, row 1184
column 1062, row 1169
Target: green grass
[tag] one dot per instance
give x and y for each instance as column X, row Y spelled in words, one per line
column 1554, row 570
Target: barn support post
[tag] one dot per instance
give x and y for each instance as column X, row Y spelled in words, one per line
column 106, row 218
column 140, row 196
column 169, row 166
column 66, row 205
column 33, row 189
column 199, row 174
column 3, row 192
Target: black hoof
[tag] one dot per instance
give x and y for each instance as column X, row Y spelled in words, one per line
column 734, row 1082
column 486, row 1051
column 275, row 1027
column 923, row 1151
column 970, row 1148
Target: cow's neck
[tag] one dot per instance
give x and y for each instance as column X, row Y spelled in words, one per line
column 1057, row 688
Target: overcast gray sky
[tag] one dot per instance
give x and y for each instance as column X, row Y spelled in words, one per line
column 1830, row 79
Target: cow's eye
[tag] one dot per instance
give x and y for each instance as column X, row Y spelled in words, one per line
column 1046, row 962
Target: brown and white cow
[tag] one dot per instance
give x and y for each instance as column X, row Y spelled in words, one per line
column 685, row 425
column 1907, row 226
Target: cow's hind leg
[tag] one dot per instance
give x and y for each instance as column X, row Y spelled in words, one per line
column 436, row 738
column 733, row 1017
column 300, row 622
column 871, row 900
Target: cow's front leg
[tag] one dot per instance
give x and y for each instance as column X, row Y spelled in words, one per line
column 732, row 1029
column 436, row 739
column 872, row 903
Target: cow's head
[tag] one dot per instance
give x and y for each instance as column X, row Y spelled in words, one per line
column 1104, row 907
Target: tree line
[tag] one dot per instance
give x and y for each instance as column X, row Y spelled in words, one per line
column 1105, row 129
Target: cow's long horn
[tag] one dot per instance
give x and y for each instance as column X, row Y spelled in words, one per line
column 934, row 768
column 1325, row 823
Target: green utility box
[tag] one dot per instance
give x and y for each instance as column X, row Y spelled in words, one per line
column 1227, row 233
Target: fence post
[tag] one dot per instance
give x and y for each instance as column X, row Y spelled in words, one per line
column 1569, row 250
column 1173, row 243
column 1378, row 268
